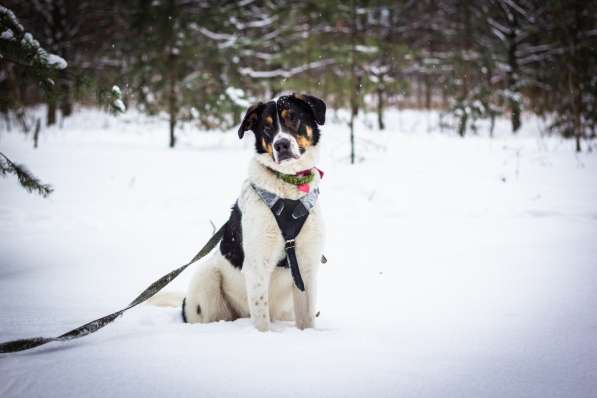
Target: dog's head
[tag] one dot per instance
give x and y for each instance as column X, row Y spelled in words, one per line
column 286, row 131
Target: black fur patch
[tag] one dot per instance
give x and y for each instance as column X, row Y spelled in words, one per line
column 231, row 245
column 266, row 128
column 297, row 115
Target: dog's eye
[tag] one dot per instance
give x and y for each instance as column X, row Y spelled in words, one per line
column 267, row 130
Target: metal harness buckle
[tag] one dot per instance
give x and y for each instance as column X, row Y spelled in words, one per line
column 290, row 244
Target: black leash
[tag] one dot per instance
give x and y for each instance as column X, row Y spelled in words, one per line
column 94, row 326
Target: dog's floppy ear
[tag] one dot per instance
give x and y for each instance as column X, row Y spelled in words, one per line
column 250, row 120
column 317, row 106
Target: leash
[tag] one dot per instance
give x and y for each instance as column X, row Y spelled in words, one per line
column 94, row 326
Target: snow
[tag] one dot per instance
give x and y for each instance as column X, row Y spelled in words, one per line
column 226, row 39
column 117, row 102
column 246, row 71
column 119, row 105
column 10, row 18
column 457, row 267
column 7, row 35
column 29, row 41
column 366, row 49
column 56, row 62
column 237, row 95
column 42, row 56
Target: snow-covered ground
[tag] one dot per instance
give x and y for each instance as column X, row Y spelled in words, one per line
column 457, row 268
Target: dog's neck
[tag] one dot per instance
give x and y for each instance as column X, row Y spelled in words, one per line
column 264, row 175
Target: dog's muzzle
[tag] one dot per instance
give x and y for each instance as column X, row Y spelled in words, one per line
column 283, row 150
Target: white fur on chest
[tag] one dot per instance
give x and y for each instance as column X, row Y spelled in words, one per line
column 260, row 230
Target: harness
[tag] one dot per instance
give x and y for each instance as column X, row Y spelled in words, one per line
column 290, row 216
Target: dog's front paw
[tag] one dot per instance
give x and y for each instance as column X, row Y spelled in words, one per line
column 305, row 323
column 262, row 326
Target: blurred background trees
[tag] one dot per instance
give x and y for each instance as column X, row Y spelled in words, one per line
column 204, row 61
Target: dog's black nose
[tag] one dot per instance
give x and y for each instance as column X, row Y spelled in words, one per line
column 282, row 145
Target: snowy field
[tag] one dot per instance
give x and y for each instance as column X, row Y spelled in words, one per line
column 457, row 268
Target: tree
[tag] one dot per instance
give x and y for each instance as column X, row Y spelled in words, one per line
column 205, row 61
column 512, row 25
column 19, row 47
column 575, row 52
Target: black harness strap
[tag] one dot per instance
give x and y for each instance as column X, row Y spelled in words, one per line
column 290, row 216
column 93, row 326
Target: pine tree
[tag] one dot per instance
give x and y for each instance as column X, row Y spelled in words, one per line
column 21, row 48
column 573, row 51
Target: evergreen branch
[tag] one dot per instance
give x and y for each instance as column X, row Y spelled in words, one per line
column 21, row 48
column 26, row 179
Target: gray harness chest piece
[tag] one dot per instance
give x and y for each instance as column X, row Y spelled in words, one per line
column 290, row 216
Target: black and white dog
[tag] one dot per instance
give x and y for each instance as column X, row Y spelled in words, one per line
column 250, row 275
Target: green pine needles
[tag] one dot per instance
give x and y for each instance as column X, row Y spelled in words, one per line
column 26, row 179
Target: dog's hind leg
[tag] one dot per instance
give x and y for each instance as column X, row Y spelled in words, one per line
column 205, row 301
column 166, row 299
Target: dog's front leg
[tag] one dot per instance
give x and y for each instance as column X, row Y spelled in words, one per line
column 257, row 278
column 309, row 246
column 304, row 302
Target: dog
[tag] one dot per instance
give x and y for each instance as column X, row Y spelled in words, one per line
column 250, row 275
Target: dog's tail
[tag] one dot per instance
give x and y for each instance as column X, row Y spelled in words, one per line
column 167, row 299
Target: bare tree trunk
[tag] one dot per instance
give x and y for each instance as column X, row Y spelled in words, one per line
column 420, row 101
column 466, row 45
column 172, row 109
column 492, row 123
column 51, row 112
column 66, row 101
column 512, row 75
column 462, row 123
column 578, row 128
column 431, row 9
column 465, row 39
column 576, row 66
column 427, row 80
column 380, row 102
column 353, row 80
column 172, row 103
column 36, row 133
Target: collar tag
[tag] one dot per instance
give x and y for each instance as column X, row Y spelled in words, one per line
column 304, row 188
